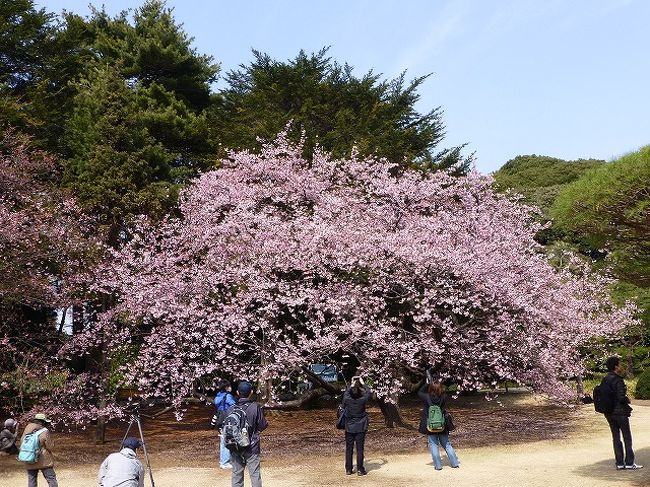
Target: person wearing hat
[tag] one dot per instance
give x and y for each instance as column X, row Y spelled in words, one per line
column 8, row 437
column 250, row 457
column 123, row 468
column 45, row 462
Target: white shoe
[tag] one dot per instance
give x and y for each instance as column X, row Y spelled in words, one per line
column 225, row 466
column 634, row 466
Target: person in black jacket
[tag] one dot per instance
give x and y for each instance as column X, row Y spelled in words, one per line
column 433, row 394
column 251, row 455
column 619, row 418
column 356, row 423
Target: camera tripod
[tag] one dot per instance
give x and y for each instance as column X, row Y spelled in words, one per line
column 135, row 420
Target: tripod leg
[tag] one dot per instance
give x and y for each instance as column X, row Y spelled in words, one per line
column 127, row 431
column 144, row 450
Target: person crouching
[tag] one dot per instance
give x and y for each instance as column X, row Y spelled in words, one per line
column 123, row 469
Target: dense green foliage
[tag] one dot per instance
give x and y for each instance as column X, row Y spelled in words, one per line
column 335, row 109
column 609, row 208
column 642, row 390
column 127, row 104
column 607, row 212
column 600, row 210
column 117, row 168
column 540, row 178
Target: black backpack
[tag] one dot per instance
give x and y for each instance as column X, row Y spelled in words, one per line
column 604, row 398
column 236, row 429
column 220, row 415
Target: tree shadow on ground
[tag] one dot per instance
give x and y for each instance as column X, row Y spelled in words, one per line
column 375, row 464
column 606, row 469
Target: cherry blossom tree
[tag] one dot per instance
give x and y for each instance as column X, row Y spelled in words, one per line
column 43, row 251
column 276, row 262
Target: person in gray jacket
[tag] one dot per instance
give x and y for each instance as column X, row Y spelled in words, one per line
column 8, row 437
column 123, row 469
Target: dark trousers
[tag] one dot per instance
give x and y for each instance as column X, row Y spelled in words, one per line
column 350, row 440
column 621, row 425
column 48, row 473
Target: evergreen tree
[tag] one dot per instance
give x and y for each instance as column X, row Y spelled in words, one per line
column 335, row 109
column 155, row 50
column 118, row 169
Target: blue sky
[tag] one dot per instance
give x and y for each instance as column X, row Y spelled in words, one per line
column 565, row 78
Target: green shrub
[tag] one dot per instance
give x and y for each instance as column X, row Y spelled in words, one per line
column 642, row 390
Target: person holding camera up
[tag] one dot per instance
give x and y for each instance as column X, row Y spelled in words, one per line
column 433, row 422
column 356, row 423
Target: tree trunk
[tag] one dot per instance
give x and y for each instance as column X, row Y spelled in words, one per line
column 77, row 319
column 391, row 412
column 580, row 386
column 325, row 385
column 100, row 431
column 306, row 398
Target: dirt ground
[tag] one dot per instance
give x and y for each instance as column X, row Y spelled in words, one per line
column 520, row 441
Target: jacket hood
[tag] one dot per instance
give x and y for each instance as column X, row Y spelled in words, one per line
column 128, row 453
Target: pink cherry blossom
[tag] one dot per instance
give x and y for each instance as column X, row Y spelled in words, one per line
column 276, row 262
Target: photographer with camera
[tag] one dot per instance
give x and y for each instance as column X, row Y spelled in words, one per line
column 356, row 423
column 434, row 422
column 123, row 469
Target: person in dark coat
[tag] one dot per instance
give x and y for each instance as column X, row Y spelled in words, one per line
column 433, row 394
column 250, row 457
column 356, row 423
column 619, row 418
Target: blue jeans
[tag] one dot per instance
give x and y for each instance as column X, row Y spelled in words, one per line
column 224, row 453
column 442, row 439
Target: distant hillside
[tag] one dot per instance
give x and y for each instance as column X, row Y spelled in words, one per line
column 540, row 178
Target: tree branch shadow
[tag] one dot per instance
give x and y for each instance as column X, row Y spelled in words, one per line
column 606, row 469
column 375, row 464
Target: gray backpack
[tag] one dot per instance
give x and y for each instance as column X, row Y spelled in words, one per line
column 236, row 430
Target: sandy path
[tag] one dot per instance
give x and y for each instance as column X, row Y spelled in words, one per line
column 583, row 459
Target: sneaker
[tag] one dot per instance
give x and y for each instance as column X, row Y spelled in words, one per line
column 361, row 472
column 348, row 472
column 620, row 467
column 225, row 466
column 634, row 466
